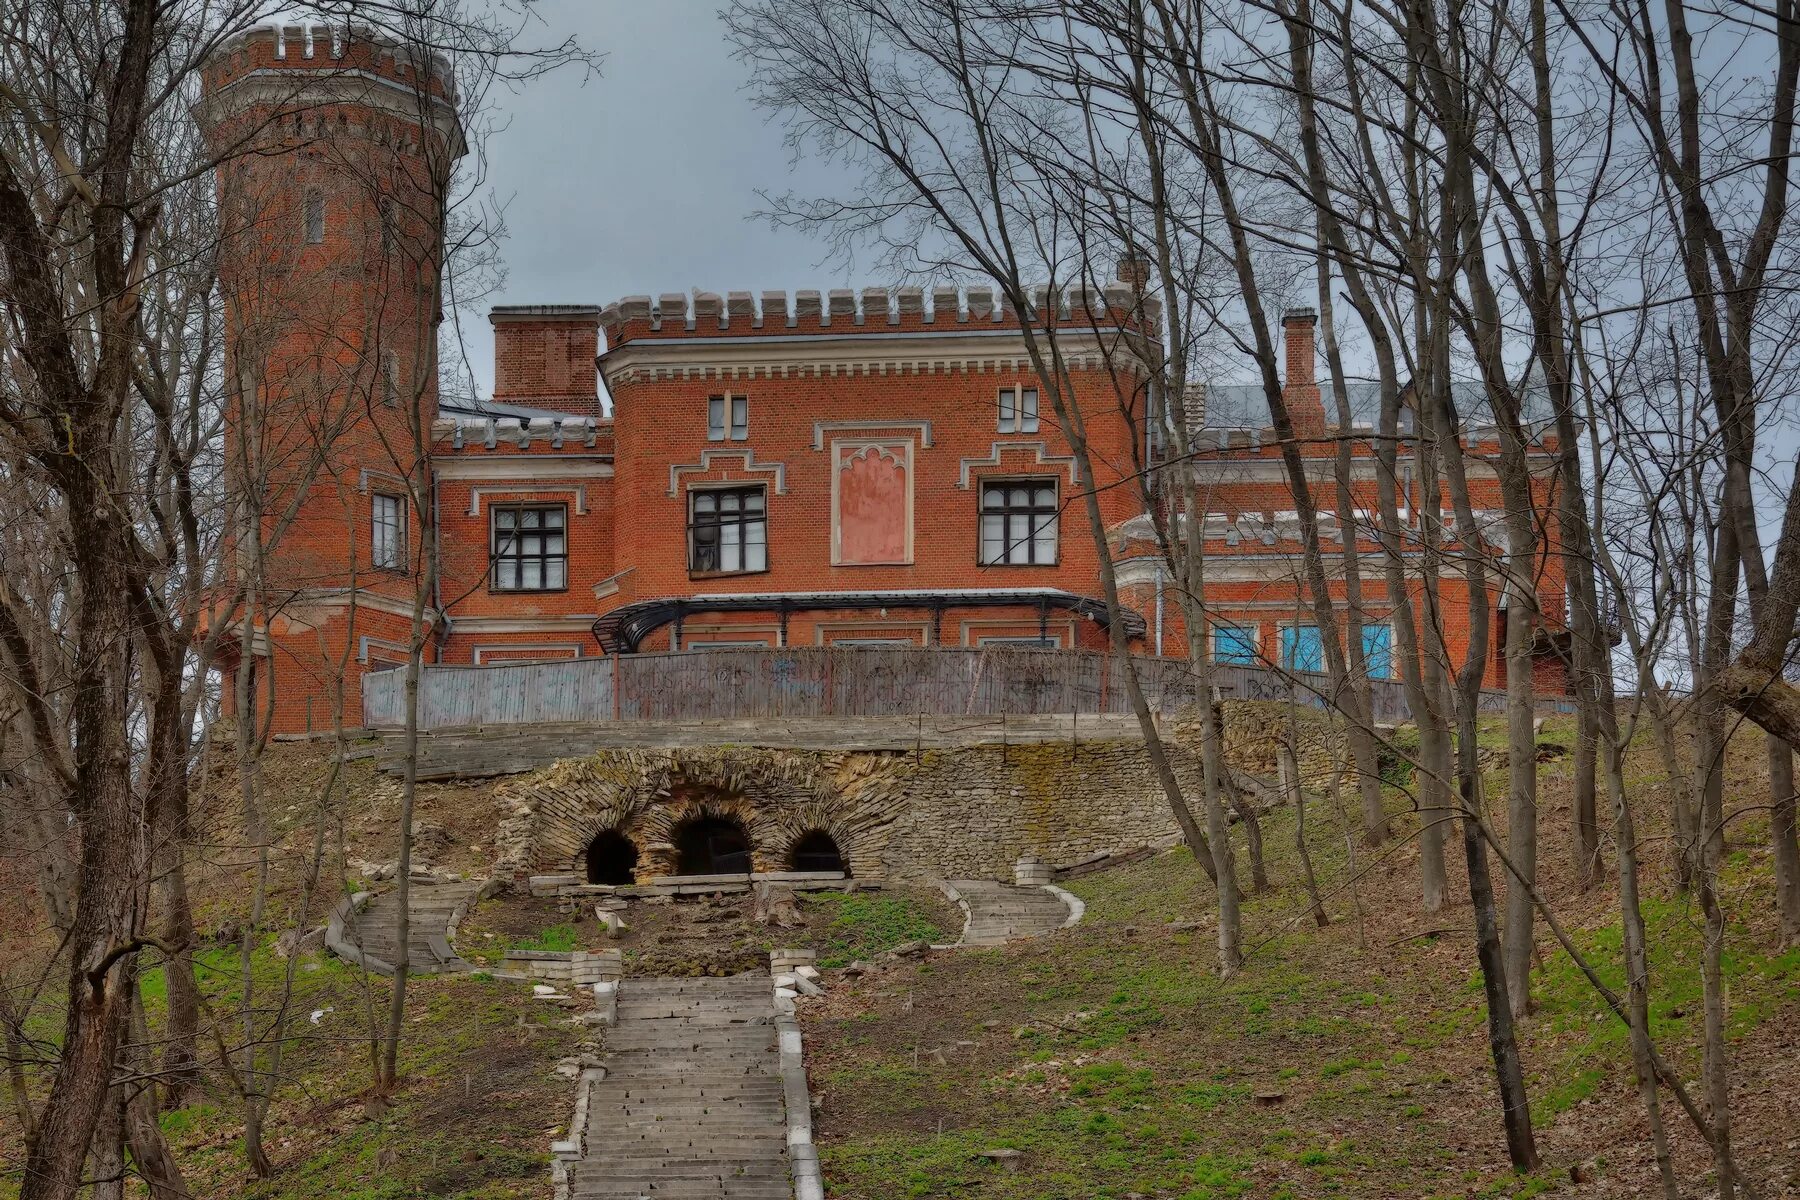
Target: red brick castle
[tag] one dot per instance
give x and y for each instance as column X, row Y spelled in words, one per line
column 772, row 470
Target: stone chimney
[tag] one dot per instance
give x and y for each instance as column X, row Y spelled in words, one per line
column 544, row 356
column 1301, row 386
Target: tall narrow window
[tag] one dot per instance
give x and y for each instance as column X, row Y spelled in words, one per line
column 1378, row 650
column 387, row 532
column 387, row 228
column 315, row 216
column 728, row 530
column 1018, row 410
column 390, row 378
column 1301, row 649
column 727, row 417
column 1234, row 644
column 530, row 548
column 1018, row 523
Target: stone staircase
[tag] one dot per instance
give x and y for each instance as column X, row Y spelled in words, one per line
column 692, row 1104
column 1001, row 912
column 372, row 934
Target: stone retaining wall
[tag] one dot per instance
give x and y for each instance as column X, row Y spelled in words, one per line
column 948, row 813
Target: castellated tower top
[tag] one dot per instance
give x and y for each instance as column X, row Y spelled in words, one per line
column 316, row 74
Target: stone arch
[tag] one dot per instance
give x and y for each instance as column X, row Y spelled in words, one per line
column 776, row 795
column 816, row 850
column 611, row 857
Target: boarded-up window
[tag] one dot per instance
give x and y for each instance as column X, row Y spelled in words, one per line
column 873, row 495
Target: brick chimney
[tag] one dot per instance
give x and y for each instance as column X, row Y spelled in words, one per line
column 1301, row 387
column 1134, row 271
column 544, row 356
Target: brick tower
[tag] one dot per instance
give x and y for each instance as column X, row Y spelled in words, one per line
column 334, row 148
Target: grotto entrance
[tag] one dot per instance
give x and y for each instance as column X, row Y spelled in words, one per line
column 712, row 846
column 817, row 851
column 611, row 859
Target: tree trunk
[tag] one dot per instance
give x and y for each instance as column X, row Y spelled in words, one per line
column 1782, row 838
column 1290, row 786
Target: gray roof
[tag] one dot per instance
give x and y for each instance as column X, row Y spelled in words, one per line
column 1243, row 405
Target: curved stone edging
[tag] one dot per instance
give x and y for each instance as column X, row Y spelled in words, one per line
column 956, row 898
column 1075, row 904
column 488, row 888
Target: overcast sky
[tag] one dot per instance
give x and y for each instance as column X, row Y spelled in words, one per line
column 643, row 179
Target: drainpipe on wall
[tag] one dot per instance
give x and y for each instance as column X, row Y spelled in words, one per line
column 437, row 567
column 1159, row 608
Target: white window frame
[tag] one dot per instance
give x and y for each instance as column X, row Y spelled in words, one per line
column 742, row 547
column 1053, row 527
column 1255, row 632
column 728, row 418
column 1018, row 408
column 387, row 538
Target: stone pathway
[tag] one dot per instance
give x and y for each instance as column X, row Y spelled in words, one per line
column 373, row 934
column 692, row 1104
column 1000, row 912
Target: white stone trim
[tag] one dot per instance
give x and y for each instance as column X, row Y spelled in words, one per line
column 1075, row 904
column 369, row 473
column 999, row 627
column 746, row 455
column 857, row 446
column 999, row 449
column 874, row 627
column 850, row 355
column 520, row 467
column 821, row 428
column 573, row 649
column 578, row 492
column 493, row 625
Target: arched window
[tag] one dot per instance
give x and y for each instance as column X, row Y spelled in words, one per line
column 611, row 859
column 817, row 851
column 712, row 846
column 315, row 216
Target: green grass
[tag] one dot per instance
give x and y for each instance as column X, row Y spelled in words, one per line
column 864, row 924
column 557, row 938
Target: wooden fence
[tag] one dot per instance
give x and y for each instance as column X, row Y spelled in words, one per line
column 810, row 681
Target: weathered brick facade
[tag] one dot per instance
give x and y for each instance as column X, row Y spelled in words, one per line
column 774, row 470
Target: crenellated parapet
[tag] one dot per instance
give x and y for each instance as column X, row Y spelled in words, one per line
column 318, row 81
column 1115, row 309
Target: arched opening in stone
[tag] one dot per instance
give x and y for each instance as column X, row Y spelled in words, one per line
column 611, row 858
column 817, row 851
column 712, row 846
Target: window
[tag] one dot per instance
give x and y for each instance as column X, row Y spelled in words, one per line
column 315, row 216
column 1236, row 644
column 720, row 410
column 387, row 228
column 1301, row 649
column 530, row 548
column 1378, row 650
column 728, row 530
column 387, row 532
column 1018, row 410
column 1035, row 643
column 1018, row 523
column 390, row 378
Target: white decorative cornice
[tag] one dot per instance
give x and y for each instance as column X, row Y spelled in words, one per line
column 821, row 428
column 1043, row 459
column 745, row 455
column 847, row 356
column 520, row 467
column 578, row 491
